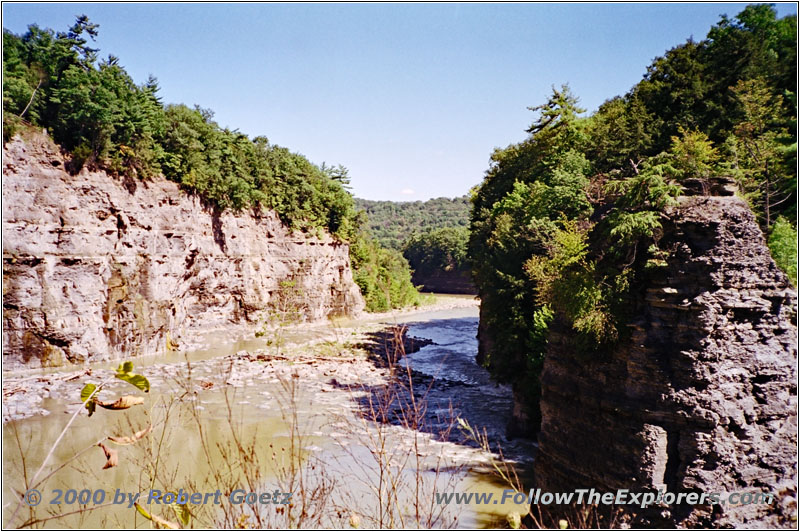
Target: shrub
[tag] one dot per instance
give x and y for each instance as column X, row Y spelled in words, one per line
column 783, row 246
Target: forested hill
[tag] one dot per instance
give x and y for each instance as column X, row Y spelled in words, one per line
column 392, row 222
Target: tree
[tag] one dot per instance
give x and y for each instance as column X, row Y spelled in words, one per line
column 439, row 250
column 693, row 155
column 760, row 163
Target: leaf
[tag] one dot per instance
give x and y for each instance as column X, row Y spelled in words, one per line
column 156, row 519
column 142, row 511
column 123, row 403
column 87, row 392
column 112, row 458
column 129, row 440
column 125, row 368
column 137, row 380
column 181, row 512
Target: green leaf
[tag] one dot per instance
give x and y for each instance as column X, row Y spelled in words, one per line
column 87, row 392
column 181, row 512
column 125, row 368
column 156, row 519
column 139, row 381
column 143, row 511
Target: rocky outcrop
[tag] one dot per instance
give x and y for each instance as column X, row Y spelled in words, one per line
column 703, row 396
column 95, row 268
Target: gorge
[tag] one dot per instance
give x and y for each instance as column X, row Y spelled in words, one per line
column 635, row 325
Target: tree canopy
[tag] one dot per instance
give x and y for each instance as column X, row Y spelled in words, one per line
column 567, row 221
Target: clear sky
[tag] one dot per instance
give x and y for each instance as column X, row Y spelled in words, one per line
column 412, row 98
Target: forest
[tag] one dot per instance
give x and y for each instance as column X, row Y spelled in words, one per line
column 391, row 222
column 567, row 222
column 96, row 112
column 432, row 235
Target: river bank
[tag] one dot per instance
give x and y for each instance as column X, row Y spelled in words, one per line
column 25, row 391
column 340, row 382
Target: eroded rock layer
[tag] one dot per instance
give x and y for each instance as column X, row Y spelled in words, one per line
column 95, row 268
column 703, row 396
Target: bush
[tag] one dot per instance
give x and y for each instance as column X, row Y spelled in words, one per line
column 783, row 246
column 382, row 275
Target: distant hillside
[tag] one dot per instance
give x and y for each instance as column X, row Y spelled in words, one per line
column 392, row 222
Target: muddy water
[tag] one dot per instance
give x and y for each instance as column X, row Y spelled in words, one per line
column 256, row 399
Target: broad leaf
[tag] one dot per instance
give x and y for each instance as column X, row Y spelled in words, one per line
column 181, row 512
column 87, row 392
column 125, row 368
column 139, row 381
column 122, row 403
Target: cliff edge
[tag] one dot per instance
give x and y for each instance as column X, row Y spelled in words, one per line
column 99, row 268
column 702, row 397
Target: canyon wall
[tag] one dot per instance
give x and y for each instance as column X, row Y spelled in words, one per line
column 702, row 397
column 99, row 268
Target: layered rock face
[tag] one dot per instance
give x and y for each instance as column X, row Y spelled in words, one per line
column 703, row 396
column 94, row 269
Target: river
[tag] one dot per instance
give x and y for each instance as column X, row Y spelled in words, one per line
column 306, row 410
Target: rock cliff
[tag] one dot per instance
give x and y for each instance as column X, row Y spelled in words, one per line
column 97, row 268
column 703, row 396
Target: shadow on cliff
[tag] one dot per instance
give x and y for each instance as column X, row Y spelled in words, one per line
column 216, row 228
column 216, row 221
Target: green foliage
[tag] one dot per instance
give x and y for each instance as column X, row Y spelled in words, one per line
column 383, row 276
column 620, row 134
column 693, row 155
column 95, row 110
column 566, row 221
column 765, row 168
column 783, row 245
column 87, row 396
column 391, row 222
column 566, row 280
column 124, row 372
column 638, row 202
column 529, row 189
column 439, row 250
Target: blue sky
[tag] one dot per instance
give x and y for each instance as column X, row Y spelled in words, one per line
column 412, row 98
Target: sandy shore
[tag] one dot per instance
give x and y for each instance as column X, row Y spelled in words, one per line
column 307, row 345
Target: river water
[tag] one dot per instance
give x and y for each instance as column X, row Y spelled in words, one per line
column 198, row 408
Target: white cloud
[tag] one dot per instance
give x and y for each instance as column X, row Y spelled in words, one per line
column 407, row 191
